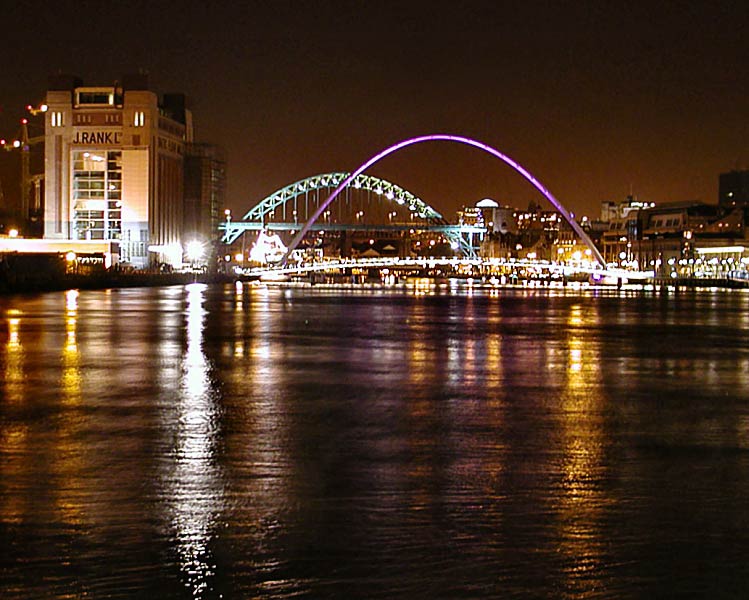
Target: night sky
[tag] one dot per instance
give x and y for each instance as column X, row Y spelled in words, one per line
column 596, row 100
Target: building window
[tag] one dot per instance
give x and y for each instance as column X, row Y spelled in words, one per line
column 140, row 118
column 56, row 119
column 97, row 195
column 96, row 97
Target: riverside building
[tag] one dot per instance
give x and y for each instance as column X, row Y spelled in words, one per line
column 114, row 167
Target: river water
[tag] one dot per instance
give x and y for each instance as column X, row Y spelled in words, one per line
column 240, row 442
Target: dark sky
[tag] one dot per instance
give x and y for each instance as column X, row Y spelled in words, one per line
column 595, row 99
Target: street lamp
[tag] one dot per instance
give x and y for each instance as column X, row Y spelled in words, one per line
column 194, row 251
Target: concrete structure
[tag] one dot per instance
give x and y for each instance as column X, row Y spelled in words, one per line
column 205, row 188
column 114, row 167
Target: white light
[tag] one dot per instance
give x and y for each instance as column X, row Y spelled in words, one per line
column 13, row 233
column 194, row 250
column 720, row 250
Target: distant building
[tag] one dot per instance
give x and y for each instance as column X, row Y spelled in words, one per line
column 498, row 219
column 733, row 190
column 470, row 215
column 672, row 238
column 114, row 167
column 205, row 188
column 610, row 211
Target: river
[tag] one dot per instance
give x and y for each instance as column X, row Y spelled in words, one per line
column 240, row 441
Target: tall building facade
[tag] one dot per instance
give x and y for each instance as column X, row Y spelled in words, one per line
column 205, row 190
column 114, row 167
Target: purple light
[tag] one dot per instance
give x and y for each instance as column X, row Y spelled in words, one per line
column 462, row 140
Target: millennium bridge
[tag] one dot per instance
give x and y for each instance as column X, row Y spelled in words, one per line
column 369, row 209
column 477, row 266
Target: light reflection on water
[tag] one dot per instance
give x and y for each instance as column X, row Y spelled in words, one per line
column 253, row 442
column 194, row 486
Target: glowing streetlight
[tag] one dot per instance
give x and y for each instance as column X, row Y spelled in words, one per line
column 194, row 250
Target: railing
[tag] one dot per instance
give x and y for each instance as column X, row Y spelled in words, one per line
column 594, row 270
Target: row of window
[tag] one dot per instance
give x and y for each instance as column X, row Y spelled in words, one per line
column 57, row 119
column 97, row 193
column 662, row 222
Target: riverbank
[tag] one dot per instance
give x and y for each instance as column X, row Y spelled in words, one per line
column 37, row 283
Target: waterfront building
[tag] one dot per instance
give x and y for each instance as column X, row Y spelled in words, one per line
column 114, row 167
column 205, row 188
column 679, row 239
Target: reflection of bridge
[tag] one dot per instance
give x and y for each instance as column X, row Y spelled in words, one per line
column 370, row 205
column 457, row 265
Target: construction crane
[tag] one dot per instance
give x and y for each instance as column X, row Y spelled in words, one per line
column 23, row 143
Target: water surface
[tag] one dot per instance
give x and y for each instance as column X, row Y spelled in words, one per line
column 250, row 442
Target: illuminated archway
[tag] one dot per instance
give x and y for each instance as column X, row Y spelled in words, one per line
column 381, row 187
column 461, row 140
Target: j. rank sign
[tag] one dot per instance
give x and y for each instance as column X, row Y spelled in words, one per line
column 99, row 138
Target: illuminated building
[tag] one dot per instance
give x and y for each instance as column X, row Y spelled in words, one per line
column 470, row 215
column 114, row 167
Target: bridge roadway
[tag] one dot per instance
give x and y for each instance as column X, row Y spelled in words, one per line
column 430, row 263
column 235, row 228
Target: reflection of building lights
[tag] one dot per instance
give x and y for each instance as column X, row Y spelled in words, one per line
column 195, row 489
column 71, row 345
column 13, row 326
column 71, row 300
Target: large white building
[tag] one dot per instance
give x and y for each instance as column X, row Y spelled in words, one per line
column 114, row 167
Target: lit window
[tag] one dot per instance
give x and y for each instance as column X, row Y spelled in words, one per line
column 56, row 119
column 140, row 118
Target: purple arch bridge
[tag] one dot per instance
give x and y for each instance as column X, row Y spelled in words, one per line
column 461, row 140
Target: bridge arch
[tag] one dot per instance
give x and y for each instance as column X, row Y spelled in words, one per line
column 382, row 187
column 461, row 140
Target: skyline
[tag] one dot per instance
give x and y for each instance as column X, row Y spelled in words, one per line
column 594, row 103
